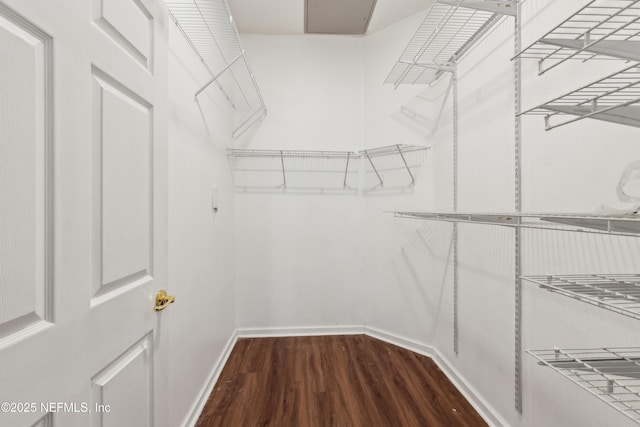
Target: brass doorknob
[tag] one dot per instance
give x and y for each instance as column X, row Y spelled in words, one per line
column 163, row 300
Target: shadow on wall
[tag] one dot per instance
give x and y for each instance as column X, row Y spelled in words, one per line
column 485, row 262
column 215, row 138
column 562, row 252
column 420, row 270
column 433, row 99
column 484, row 266
column 211, row 104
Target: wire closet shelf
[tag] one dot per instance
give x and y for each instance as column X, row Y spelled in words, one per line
column 450, row 28
column 603, row 29
column 209, row 28
column 611, row 374
column 288, row 168
column 610, row 99
column 620, row 226
column 619, row 293
column 337, row 169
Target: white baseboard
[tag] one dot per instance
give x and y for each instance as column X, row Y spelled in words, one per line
column 483, row 408
column 198, row 406
column 406, row 343
column 300, row 331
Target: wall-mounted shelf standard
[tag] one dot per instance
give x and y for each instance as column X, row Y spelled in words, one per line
column 611, row 374
column 610, row 99
column 623, row 226
column 603, row 29
column 616, row 292
column 450, row 28
column 324, row 170
column 209, row 28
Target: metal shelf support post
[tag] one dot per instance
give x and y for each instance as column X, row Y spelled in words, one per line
column 454, row 236
column 517, row 66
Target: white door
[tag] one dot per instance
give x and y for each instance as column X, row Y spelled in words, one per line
column 83, row 214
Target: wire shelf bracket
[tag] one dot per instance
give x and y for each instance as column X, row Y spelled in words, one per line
column 610, row 374
column 610, row 99
column 619, row 226
column 619, row 293
column 603, row 29
column 399, row 150
column 210, row 30
column 450, row 28
column 373, row 166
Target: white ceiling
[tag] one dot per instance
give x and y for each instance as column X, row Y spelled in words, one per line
column 338, row 16
column 287, row 16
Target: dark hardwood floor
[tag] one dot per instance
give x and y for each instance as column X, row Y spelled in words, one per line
column 351, row 380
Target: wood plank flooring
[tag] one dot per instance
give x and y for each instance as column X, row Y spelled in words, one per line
column 351, row 380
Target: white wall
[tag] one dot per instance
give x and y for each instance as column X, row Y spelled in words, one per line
column 312, row 257
column 392, row 269
column 201, row 242
column 298, row 255
column 312, row 86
